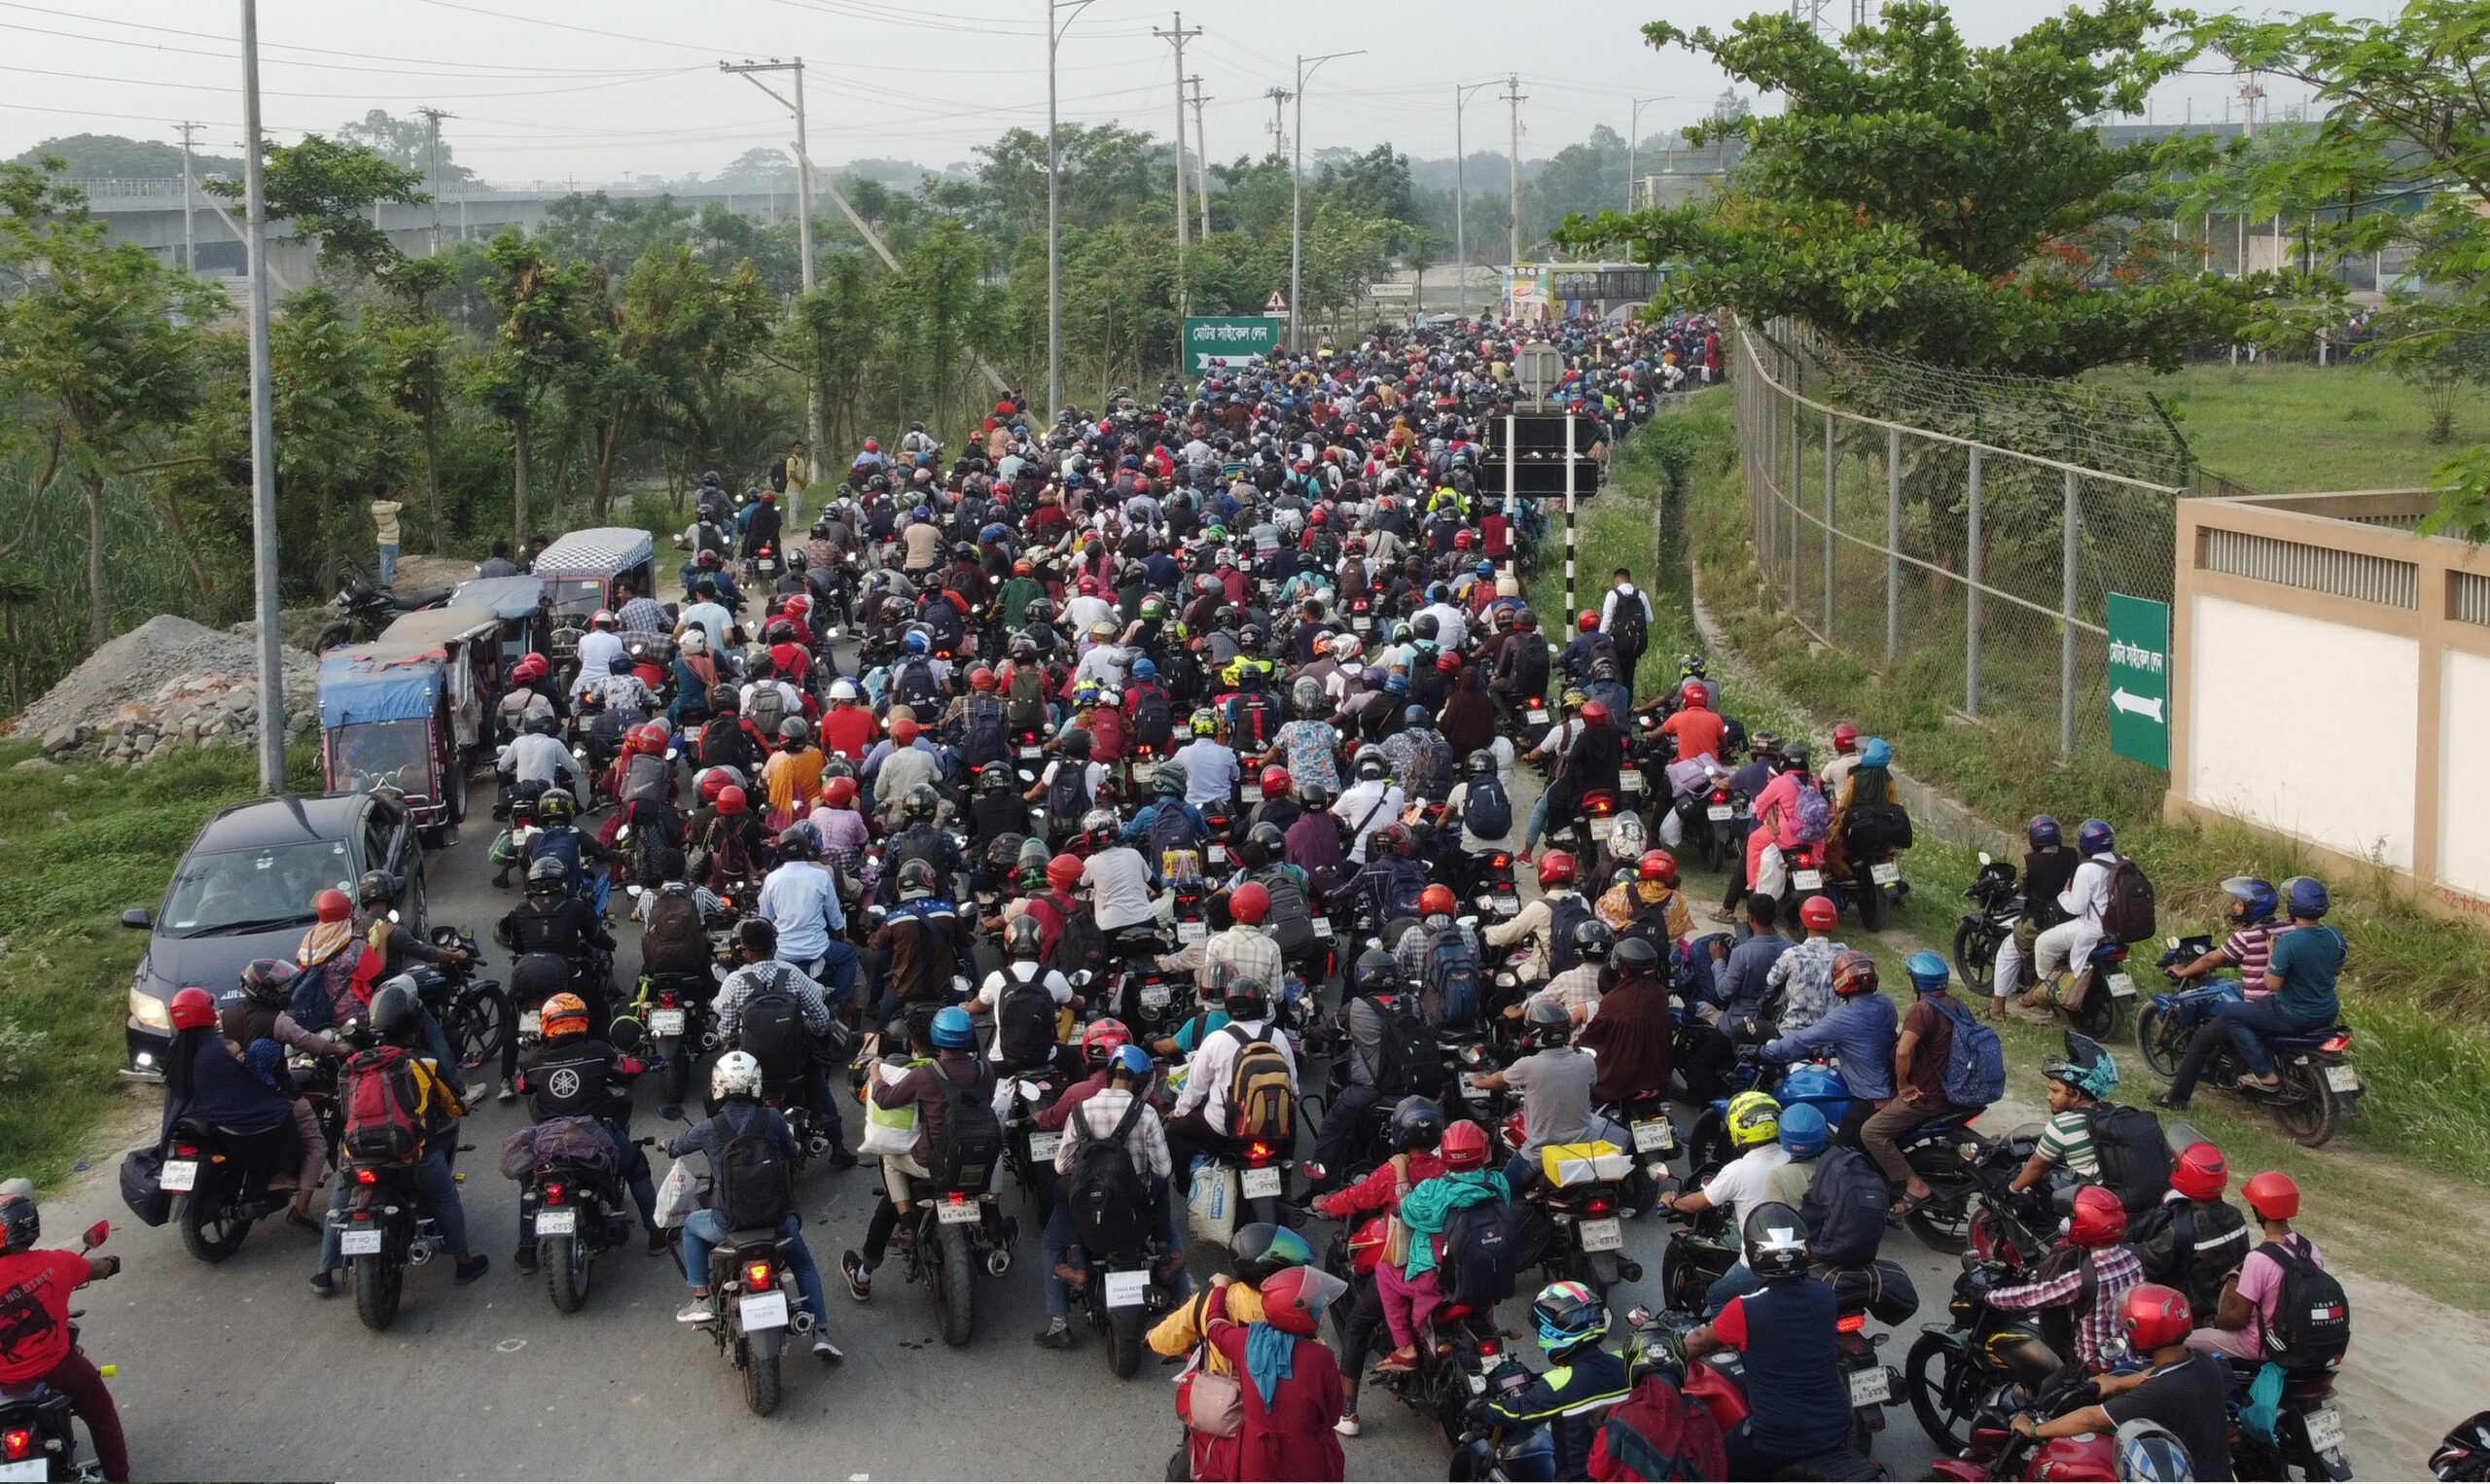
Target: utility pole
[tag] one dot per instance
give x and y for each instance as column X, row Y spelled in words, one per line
column 1175, row 37
column 272, row 719
column 1297, row 201
column 432, row 123
column 1279, row 98
column 1514, row 97
column 1054, row 236
column 1461, row 190
column 189, row 240
column 746, row 69
column 1201, row 154
column 1633, row 134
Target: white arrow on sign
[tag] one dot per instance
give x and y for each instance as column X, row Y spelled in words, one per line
column 2142, row 706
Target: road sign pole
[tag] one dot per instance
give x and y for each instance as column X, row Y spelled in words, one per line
column 1569, row 527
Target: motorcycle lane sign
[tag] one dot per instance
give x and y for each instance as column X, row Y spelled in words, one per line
column 2139, row 679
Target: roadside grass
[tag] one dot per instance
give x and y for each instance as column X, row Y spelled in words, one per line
column 72, row 855
column 2279, row 427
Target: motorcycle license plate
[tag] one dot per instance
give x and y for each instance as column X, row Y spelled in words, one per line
column 1871, row 1387
column 1537, row 715
column 1716, row 811
column 1362, row 623
column 1042, row 1146
column 1154, row 999
column 530, row 1023
column 1807, row 880
column 1127, row 1291
column 1322, row 926
column 2325, row 1429
column 764, row 1310
column 360, row 1242
column 768, row 564
column 179, row 1175
column 1885, row 872
column 1263, row 1184
column 1218, row 854
column 1657, row 1136
column 1508, row 904
column 665, row 1022
column 1031, row 749
column 1251, row 792
column 2123, row 985
column 36, row 1469
column 960, row 1213
column 1605, row 1235
column 1603, row 826
column 1630, row 780
column 556, row 1224
column 1190, row 932
column 2338, row 1078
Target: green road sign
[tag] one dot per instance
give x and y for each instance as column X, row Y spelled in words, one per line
column 1232, row 337
column 2140, row 679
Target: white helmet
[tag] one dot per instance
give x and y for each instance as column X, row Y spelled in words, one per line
column 842, row 691
column 737, row 1075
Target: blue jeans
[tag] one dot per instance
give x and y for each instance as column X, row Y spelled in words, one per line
column 433, row 1185
column 1538, row 822
column 1737, row 1282
column 2250, row 1021
column 388, row 562
column 705, row 1229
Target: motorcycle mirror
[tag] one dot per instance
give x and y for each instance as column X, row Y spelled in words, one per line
column 632, row 890
column 444, row 937
column 623, row 1035
column 1984, row 859
column 96, row 1235
column 393, row 914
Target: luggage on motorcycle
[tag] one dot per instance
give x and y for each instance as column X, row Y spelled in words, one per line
column 1479, row 1256
column 985, row 740
column 1262, row 1099
column 1024, row 1017
column 1975, row 1059
column 1103, row 1191
column 1068, row 793
column 913, row 684
column 142, row 1189
column 519, row 1152
column 385, row 1102
column 1874, row 830
column 575, row 1141
column 2311, row 1327
column 1289, row 921
column 772, row 1027
column 1565, row 913
column 1657, row 1433
column 674, row 942
column 1580, row 1164
column 2134, row 1156
column 965, row 1157
column 1454, row 983
column 756, row 1183
column 1486, row 810
column 2126, row 914
column 1881, row 1288
column 766, row 711
column 1024, row 700
column 1845, row 1208
column 1814, row 813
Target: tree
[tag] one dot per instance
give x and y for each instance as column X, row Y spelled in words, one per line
column 1913, row 194
column 1732, row 107
column 337, row 432
column 675, row 336
column 112, row 157
column 762, row 169
column 829, row 337
column 407, row 143
column 546, row 332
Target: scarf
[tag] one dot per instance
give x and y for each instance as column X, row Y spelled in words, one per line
column 1271, row 1358
column 323, row 942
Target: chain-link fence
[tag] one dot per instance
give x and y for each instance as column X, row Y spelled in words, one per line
column 1960, row 532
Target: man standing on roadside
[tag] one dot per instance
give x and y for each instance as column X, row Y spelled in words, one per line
column 384, row 526
column 790, row 476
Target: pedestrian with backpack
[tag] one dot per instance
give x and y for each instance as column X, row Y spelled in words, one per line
column 1111, row 1190
column 1948, row 1065
column 1412, row 1287
column 751, row 1153
column 1626, row 617
column 2282, row 1307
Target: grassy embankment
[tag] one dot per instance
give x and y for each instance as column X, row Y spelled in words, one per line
column 2280, row 427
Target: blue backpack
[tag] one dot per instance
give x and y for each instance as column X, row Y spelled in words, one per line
column 986, row 741
column 1453, row 977
column 1975, row 1061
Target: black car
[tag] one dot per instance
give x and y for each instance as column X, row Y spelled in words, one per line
column 243, row 891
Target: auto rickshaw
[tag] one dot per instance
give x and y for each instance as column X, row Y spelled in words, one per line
column 580, row 571
column 406, row 712
column 519, row 603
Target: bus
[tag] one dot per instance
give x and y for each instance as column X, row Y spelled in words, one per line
column 1612, row 291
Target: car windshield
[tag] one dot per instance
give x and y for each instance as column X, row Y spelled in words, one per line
column 373, row 752
column 256, row 890
column 574, row 598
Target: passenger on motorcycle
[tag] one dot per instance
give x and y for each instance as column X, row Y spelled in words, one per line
column 1797, row 1404
column 759, row 972
column 257, row 1010
column 1548, row 922
column 36, row 1289
column 1634, row 1030
column 574, row 1073
column 948, row 1063
column 1741, row 974
column 2245, row 1311
column 1777, row 821
column 849, row 728
column 1922, row 1051
column 1372, row 803
column 237, row 1086
column 1200, row 1120
column 1097, row 1115
column 2299, row 984
column 397, row 1015
column 734, row 1087
column 1309, row 746
column 1409, row 1290
column 2078, row 1083
column 900, row 765
column 1279, row 807
column 1554, row 1085
column 923, row 945
column 2179, row 1390
column 1858, row 1032
column 2067, row 948
column 1761, row 1175
column 1650, row 906
column 1023, row 948
column 793, row 774
column 799, row 899
column 2194, row 1240
column 1577, row 990
column 2093, row 1260
column 1416, row 1132
column 1803, row 975
column 731, row 845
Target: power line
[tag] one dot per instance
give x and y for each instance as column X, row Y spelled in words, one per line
column 47, row 11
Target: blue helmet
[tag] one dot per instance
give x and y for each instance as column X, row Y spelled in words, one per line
column 2043, row 833
column 1879, row 752
column 2256, row 898
column 1132, row 1059
column 1487, row 569
column 2096, row 836
column 1928, row 973
column 1144, row 669
column 922, row 513
column 1803, row 1131
column 2307, row 897
column 915, row 642
column 953, row 1031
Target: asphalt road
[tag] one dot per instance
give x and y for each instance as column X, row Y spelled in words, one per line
column 238, row 1372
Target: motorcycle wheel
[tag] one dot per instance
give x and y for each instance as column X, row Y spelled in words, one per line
column 1944, row 1228
column 674, row 1076
column 2305, row 1109
column 954, row 1276
column 458, row 792
column 566, row 1271
column 378, row 1282
column 1124, row 1342
column 1707, row 845
column 478, row 1018
column 208, row 1230
column 2161, row 1040
column 1942, row 1389
column 1975, row 955
column 760, row 1379
column 1872, row 907
column 2098, row 1017
column 331, row 637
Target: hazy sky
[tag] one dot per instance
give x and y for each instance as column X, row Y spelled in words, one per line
column 552, row 91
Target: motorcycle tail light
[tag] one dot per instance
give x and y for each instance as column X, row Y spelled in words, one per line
column 1259, row 1154
column 1488, row 1347
column 1598, row 1207
column 1499, row 860
column 186, row 1150
column 2338, row 1043
column 366, row 1177
column 1850, row 1324
column 553, row 1193
column 758, row 1275
column 20, row 1442
column 665, row 1000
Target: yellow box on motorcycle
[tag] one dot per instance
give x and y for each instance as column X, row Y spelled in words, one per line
column 1584, row 1164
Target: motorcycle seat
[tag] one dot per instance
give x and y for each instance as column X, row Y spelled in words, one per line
column 754, row 1236
column 2305, row 1040
column 423, row 597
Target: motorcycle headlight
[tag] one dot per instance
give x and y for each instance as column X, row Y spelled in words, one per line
column 148, row 1010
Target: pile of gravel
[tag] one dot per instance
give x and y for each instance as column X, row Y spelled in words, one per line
column 166, row 685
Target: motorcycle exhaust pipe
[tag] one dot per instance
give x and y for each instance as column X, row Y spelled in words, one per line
column 419, row 1252
column 998, row 1262
column 802, row 1321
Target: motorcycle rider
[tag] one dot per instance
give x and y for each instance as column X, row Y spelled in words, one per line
column 950, row 1064
column 551, row 921
column 1797, row 1404
column 1578, row 989
column 2249, row 948
column 2078, row 1082
column 799, row 899
column 1202, row 1118
column 1634, row 1029
column 2181, row 1390
column 1024, row 949
column 1860, row 1031
column 735, row 1086
column 2299, row 980
column 1572, row 1399
column 36, row 1287
column 1762, row 1176
column 2067, row 948
column 1650, row 906
column 2194, row 1240
column 397, row 1010
column 2093, row 1260
column 1098, row 1116
column 1365, row 1019
column 1418, row 1130
column 256, row 1009
column 572, row 1073
column 761, row 972
column 1549, row 923
column 1922, row 1051
column 1554, row 1085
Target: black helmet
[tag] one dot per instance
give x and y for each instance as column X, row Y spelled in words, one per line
column 20, row 1218
column 1376, row 973
column 994, row 778
column 797, row 842
column 1417, row 1123
column 268, row 982
column 1776, row 1242
column 397, row 1005
column 1480, row 763
column 1264, row 844
column 1314, row 796
column 1076, row 744
column 1594, row 941
column 1794, row 757
column 1634, row 955
column 922, row 804
column 546, row 870
column 542, row 722
column 915, row 879
column 1022, row 937
column 1547, row 1023
column 374, row 886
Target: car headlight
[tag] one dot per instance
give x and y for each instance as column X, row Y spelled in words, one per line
column 148, row 1010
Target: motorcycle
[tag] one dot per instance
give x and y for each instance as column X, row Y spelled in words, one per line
column 367, row 610
column 957, row 1231
column 1027, row 1149
column 753, row 1304
column 1495, row 892
column 1953, row 1372
column 382, row 1232
column 2320, row 1085
column 38, row 1426
column 1587, row 1240
column 1717, row 821
column 221, row 1183
column 1258, row 1173
column 1875, row 886
column 2308, row 1429
column 1122, row 1294
column 675, row 1008
column 473, row 1012
column 1996, row 908
column 1806, row 866
column 580, row 1210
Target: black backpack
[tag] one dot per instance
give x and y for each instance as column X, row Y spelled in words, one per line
column 1024, row 1018
column 1289, row 921
column 1486, row 812
column 986, row 741
column 1255, row 719
column 723, row 743
column 674, row 941
column 1153, row 719
column 2311, row 1327
column 972, row 1146
column 913, row 686
column 1844, row 1208
column 1478, row 1255
column 1631, row 632
column 1103, row 1192
column 772, row 1027
column 1405, row 1060
column 755, row 1187
column 2127, row 917
column 1068, row 794
column 1564, row 914
column 2134, row 1156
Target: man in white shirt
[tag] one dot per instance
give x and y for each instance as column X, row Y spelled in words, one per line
column 1022, row 969
column 598, row 649
column 2086, row 898
column 1368, row 806
column 1118, row 880
column 1202, row 1120
column 1452, row 626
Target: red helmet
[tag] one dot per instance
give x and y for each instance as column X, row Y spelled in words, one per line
column 1101, row 1040
column 1449, row 663
column 192, row 1010
column 1555, row 868
column 1063, row 873
column 649, row 737
column 981, row 679
column 904, row 733
column 730, row 799
column 2201, row 1172
column 1657, row 865
column 1694, row 695
column 332, row 905
column 1460, row 540
column 1249, row 904
column 1366, row 1245
column 1844, row 736
column 530, row 667
column 1588, row 621
column 1464, row 1146
column 2098, row 1218
column 1275, row 780
column 872, row 446
column 1294, row 1299
column 1595, row 713
column 1436, row 900
column 1315, row 517
column 2272, row 1195
column 1818, row 914
column 2156, row 1316
column 713, row 782
column 839, row 793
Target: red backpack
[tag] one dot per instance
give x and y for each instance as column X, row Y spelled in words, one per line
column 1657, row 1433
column 385, row 1103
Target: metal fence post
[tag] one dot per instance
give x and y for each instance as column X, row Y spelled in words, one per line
column 1893, row 545
column 1829, row 481
column 1971, row 597
column 2066, row 622
column 1797, row 471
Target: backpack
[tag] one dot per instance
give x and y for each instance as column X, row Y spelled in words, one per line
column 1564, row 914
column 674, row 941
column 1024, row 1018
column 1814, row 812
column 1025, row 701
column 913, row 686
column 972, row 1139
column 772, row 1027
column 1324, row 550
column 1173, row 829
column 723, row 743
column 1631, row 629
column 1486, row 812
column 1254, row 725
column 767, row 710
column 2311, row 1327
column 645, row 778
column 1452, row 975
column 986, row 741
column 1844, row 1208
column 1974, row 1060
column 1288, row 920
column 1476, row 1266
column 1657, row 1433
column 1068, row 793
column 1102, row 1192
column 1153, row 719
column 755, row 1188
column 385, row 1101
column 2134, row 1156
column 1261, row 1100
column 1407, row 1061
column 2127, row 916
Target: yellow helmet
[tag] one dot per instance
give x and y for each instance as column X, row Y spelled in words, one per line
column 1754, row 1118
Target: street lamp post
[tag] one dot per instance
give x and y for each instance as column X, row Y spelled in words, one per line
column 1460, row 190
column 1297, row 200
column 1633, row 134
column 1054, row 241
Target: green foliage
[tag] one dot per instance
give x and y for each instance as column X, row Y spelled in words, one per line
column 111, row 156
column 328, row 190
